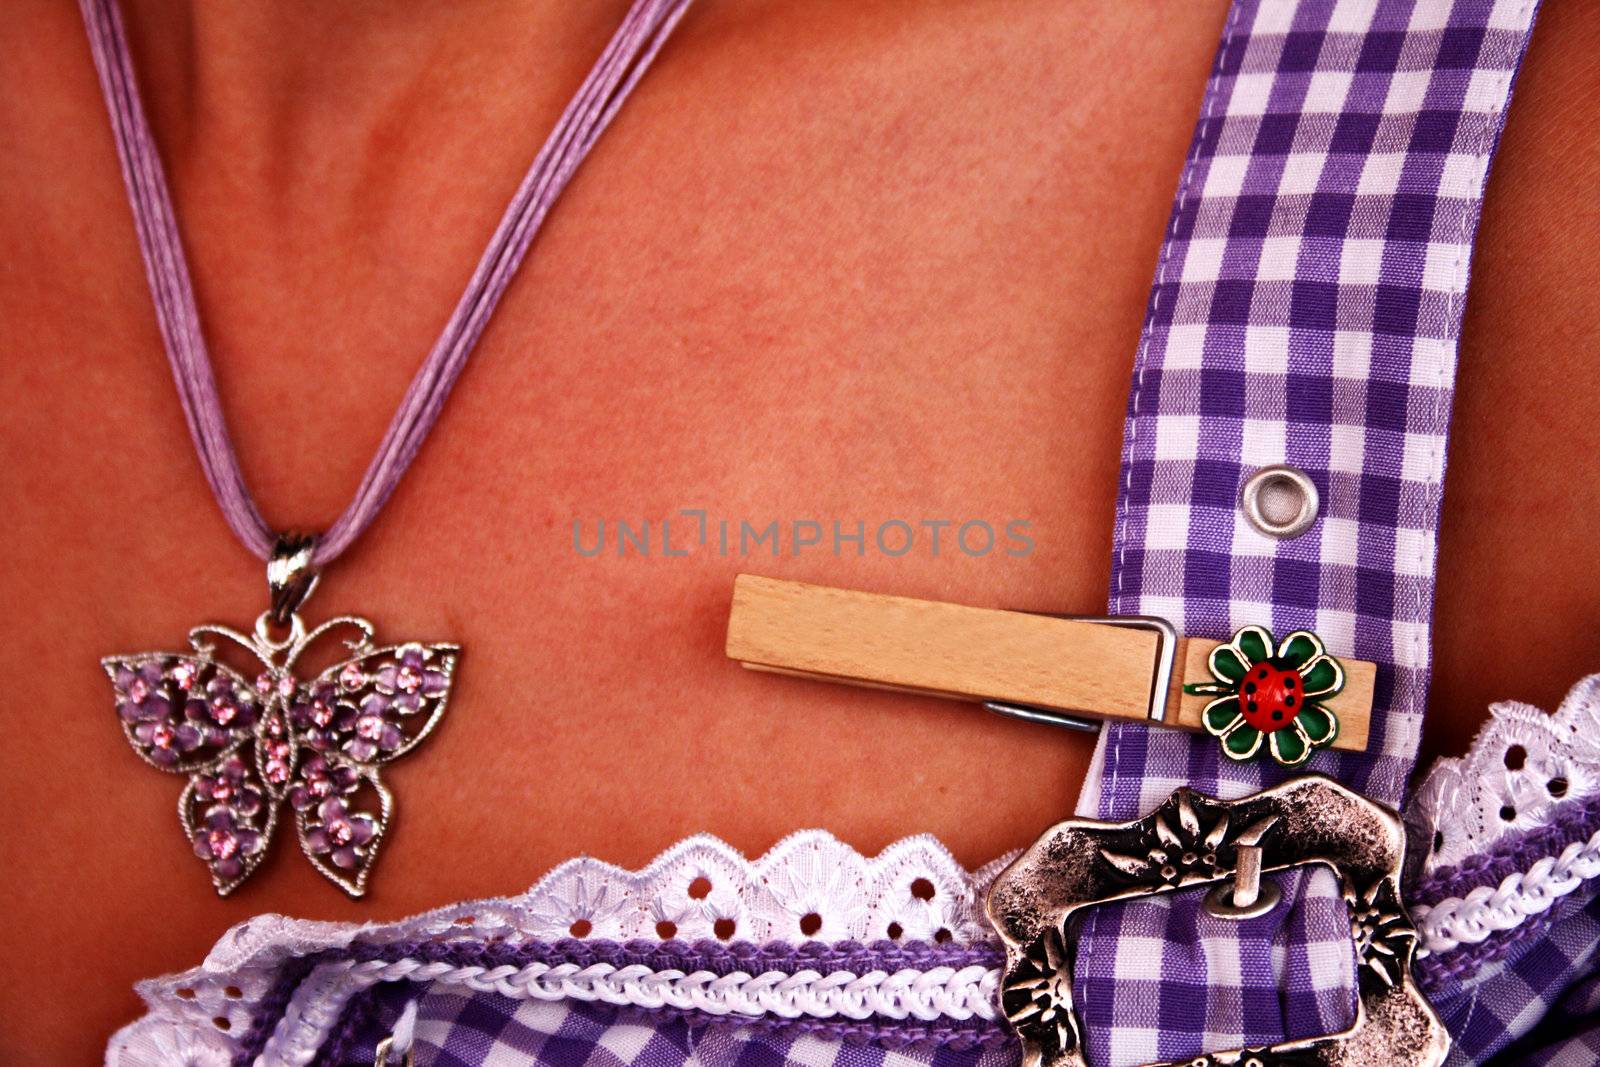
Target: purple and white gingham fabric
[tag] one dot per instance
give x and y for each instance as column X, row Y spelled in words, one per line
column 487, row 1030
column 1147, row 973
column 1306, row 310
column 1539, row 1003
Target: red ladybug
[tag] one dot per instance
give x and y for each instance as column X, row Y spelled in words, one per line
column 1271, row 696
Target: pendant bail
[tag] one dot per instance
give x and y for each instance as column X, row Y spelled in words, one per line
column 291, row 574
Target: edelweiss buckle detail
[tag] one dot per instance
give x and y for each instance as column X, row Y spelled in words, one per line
column 1193, row 840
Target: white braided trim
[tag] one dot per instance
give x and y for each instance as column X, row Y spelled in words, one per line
column 931, row 995
column 1488, row 910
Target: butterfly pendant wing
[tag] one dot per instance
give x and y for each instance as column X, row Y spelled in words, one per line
column 229, row 814
column 352, row 718
column 182, row 711
column 189, row 713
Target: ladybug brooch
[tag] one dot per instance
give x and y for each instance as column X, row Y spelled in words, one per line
column 1271, row 696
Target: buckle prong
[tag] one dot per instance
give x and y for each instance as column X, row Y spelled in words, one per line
column 1248, row 896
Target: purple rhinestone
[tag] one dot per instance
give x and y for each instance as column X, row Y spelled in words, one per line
column 408, row 679
column 223, row 843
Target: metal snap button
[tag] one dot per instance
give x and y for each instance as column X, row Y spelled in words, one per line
column 1280, row 501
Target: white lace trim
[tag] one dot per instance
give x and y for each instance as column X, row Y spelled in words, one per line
column 1522, row 763
column 809, row 887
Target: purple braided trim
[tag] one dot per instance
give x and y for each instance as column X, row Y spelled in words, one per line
column 355, row 1038
column 1438, row 971
column 346, row 1039
column 711, row 956
column 271, row 1007
column 1569, row 823
column 715, row 956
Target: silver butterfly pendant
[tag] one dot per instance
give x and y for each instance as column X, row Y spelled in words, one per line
column 249, row 747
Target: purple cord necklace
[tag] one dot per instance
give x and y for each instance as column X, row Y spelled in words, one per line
column 247, row 746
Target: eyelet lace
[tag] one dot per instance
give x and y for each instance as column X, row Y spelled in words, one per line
column 1521, row 765
column 810, row 887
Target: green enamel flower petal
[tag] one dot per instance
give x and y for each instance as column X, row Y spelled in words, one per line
column 1243, row 741
column 1254, row 643
column 1228, row 663
column 1323, row 677
column 1289, row 746
column 1220, row 715
column 1299, row 648
column 1320, row 724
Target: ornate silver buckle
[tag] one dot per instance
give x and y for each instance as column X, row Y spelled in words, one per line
column 1194, row 840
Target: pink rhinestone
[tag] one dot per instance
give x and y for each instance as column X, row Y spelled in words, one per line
column 320, row 787
column 369, row 727
column 185, row 674
column 277, row 771
column 223, row 844
column 138, row 690
column 408, row 679
column 352, row 677
column 223, row 709
column 321, row 712
column 340, row 831
column 286, row 687
column 162, row 736
column 265, row 681
column 221, row 789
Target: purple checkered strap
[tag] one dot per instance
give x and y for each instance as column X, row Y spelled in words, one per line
column 1306, row 310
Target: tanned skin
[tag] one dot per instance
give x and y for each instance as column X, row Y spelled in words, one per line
column 866, row 260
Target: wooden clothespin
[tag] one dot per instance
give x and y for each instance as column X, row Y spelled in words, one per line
column 1063, row 671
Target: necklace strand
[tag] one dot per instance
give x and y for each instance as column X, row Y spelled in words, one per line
column 643, row 31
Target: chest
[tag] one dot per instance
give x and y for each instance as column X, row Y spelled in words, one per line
column 806, row 280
